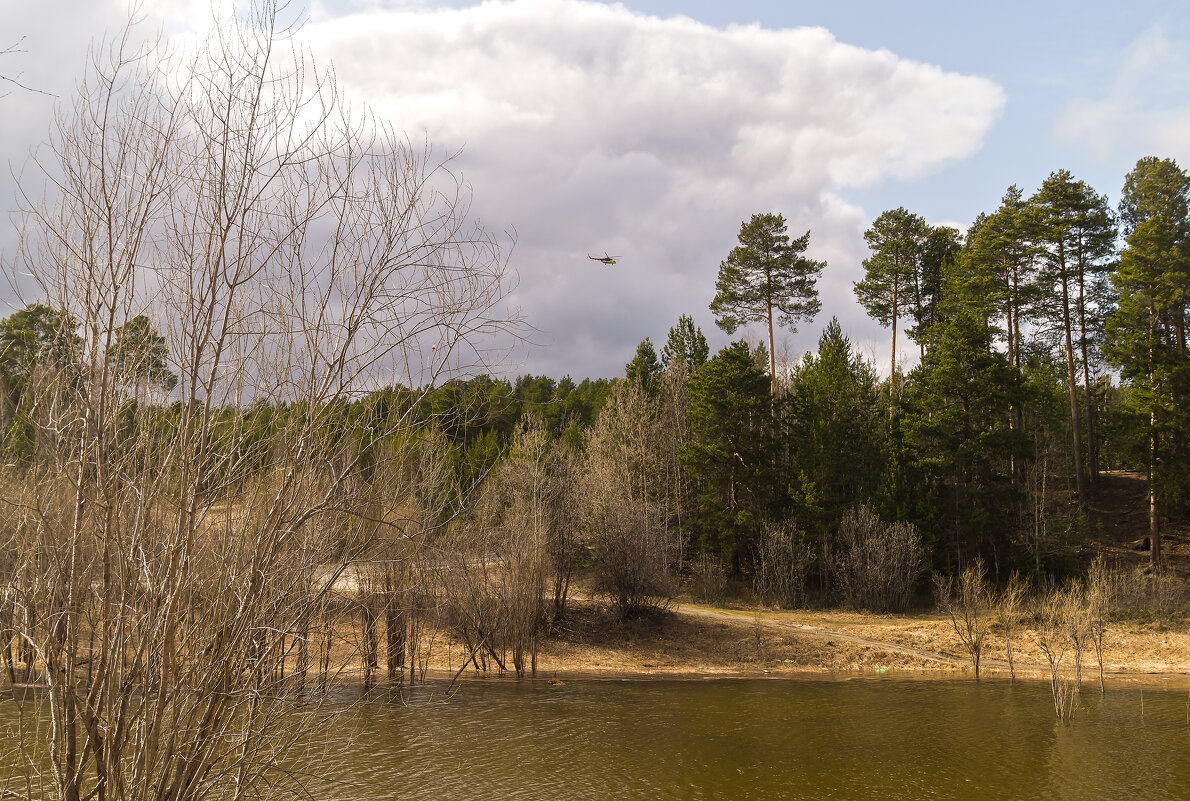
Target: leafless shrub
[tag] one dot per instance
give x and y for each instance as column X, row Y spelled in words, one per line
column 876, row 565
column 709, row 578
column 969, row 603
column 783, row 560
column 1138, row 593
column 1009, row 608
column 1054, row 641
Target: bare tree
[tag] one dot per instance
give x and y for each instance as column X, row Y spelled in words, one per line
column 968, row 603
column 635, row 549
column 1099, row 600
column 1054, row 641
column 1009, row 609
column 169, row 558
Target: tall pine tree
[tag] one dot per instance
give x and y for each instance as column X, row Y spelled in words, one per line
column 765, row 279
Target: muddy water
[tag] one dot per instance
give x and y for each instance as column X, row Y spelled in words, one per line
column 861, row 739
column 876, row 738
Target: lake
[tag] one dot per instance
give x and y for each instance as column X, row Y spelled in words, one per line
column 879, row 738
column 866, row 738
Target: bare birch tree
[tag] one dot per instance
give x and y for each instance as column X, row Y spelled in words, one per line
column 166, row 560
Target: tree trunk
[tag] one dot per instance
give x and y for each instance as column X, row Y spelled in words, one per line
column 1071, row 386
column 1154, row 523
column 1092, row 457
column 892, row 370
column 768, row 314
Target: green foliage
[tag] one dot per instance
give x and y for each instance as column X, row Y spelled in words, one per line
column 1146, row 333
column 895, row 239
column 686, row 344
column 767, row 278
column 833, row 417
column 731, row 455
column 644, row 368
column 956, row 416
column 998, row 268
column 766, row 271
column 36, row 337
column 138, row 355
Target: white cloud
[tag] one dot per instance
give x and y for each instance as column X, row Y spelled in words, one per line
column 590, row 127
column 1144, row 111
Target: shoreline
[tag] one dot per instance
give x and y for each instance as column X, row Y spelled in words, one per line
column 698, row 642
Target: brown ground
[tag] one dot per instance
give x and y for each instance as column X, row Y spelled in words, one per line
column 691, row 639
column 695, row 639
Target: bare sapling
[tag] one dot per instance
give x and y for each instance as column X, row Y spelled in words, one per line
column 968, row 602
column 1077, row 618
column 1099, row 602
column 1053, row 639
column 1008, row 610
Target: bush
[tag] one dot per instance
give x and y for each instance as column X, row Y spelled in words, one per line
column 782, row 561
column 709, row 580
column 875, row 565
column 1139, row 594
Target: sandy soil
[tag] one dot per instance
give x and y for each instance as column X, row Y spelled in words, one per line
column 695, row 639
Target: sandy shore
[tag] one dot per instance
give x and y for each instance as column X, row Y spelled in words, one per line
column 700, row 640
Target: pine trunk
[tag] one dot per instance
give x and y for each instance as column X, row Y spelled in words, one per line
column 1071, row 386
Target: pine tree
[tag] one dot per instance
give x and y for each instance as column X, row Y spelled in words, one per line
column 1075, row 232
column 1146, row 334
column 730, row 456
column 767, row 275
column 895, row 239
column 644, row 367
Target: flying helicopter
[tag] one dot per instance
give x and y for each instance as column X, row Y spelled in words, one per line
column 604, row 259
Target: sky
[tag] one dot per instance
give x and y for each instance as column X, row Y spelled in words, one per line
column 651, row 129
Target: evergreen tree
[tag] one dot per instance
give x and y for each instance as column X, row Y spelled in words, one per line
column 1075, row 232
column 999, row 267
column 730, row 456
column 895, row 239
column 1146, row 334
column 834, row 418
column 767, row 274
column 956, row 418
column 940, row 251
column 139, row 355
column 644, row 367
column 686, row 343
column 36, row 337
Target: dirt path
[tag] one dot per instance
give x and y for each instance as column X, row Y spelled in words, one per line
column 771, row 620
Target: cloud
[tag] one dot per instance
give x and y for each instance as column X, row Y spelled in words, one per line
column 1144, row 111
column 591, row 127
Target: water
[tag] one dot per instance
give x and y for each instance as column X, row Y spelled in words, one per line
column 885, row 738
column 860, row 739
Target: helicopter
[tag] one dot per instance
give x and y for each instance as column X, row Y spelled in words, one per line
column 604, row 259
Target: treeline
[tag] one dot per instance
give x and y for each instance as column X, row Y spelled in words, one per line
column 817, row 479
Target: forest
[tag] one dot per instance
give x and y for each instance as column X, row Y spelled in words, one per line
column 1051, row 347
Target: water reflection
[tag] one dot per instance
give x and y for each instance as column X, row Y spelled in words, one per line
column 704, row 740
column 885, row 739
